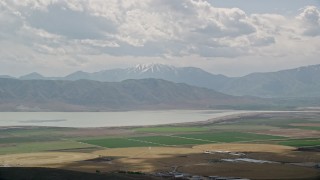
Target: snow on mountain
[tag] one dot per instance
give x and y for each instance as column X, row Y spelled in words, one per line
column 297, row 82
column 151, row 68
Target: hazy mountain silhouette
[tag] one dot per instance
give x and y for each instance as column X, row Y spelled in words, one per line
column 298, row 82
column 128, row 94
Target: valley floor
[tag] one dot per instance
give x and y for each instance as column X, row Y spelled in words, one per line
column 247, row 146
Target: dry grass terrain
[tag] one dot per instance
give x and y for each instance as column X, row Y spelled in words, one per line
column 234, row 147
column 186, row 159
column 43, row 158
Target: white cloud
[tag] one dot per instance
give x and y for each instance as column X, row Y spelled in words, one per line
column 99, row 43
column 78, row 29
column 310, row 21
column 137, row 23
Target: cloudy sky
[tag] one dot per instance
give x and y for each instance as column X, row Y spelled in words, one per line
column 231, row 37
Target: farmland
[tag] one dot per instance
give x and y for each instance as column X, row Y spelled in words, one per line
column 271, row 137
column 301, row 142
column 231, row 137
column 41, row 146
column 166, row 129
column 181, row 139
column 117, row 143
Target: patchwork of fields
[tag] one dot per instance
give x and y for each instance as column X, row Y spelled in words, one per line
column 251, row 130
column 181, row 139
column 290, row 131
column 158, row 148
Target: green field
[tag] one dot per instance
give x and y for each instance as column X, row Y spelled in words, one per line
column 117, row 143
column 184, row 139
column 231, row 136
column 236, row 127
column 7, row 140
column 143, row 141
column 274, row 122
column 170, row 129
column 265, row 124
column 42, row 146
column 301, row 142
column 36, row 131
column 169, row 140
column 316, row 128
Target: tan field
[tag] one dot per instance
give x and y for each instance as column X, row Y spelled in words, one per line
column 43, row 158
column 186, row 159
column 234, row 147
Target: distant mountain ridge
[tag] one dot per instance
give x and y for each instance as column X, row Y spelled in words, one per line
column 32, row 76
column 298, row 82
column 87, row 95
column 6, row 76
column 189, row 75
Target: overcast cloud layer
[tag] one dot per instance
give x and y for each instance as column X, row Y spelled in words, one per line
column 56, row 37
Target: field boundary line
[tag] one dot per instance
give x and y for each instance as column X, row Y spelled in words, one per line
column 149, row 142
column 192, row 138
column 81, row 142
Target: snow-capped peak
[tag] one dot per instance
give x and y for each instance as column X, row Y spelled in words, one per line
column 142, row 68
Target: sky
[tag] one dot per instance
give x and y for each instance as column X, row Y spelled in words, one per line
column 230, row 37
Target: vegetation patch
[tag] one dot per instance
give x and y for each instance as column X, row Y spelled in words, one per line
column 145, row 141
column 175, row 140
column 235, row 127
column 42, row 146
column 231, row 136
column 301, row 142
column 118, row 143
column 35, row 131
column 26, row 139
column 282, row 123
column 171, row 140
column 170, row 129
column 316, row 128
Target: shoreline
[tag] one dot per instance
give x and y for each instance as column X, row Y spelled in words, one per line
column 226, row 115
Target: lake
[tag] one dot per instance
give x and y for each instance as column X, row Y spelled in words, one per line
column 109, row 119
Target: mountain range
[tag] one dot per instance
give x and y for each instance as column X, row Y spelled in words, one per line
column 88, row 95
column 298, row 82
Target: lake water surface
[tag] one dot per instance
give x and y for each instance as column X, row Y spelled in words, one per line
column 108, row 119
